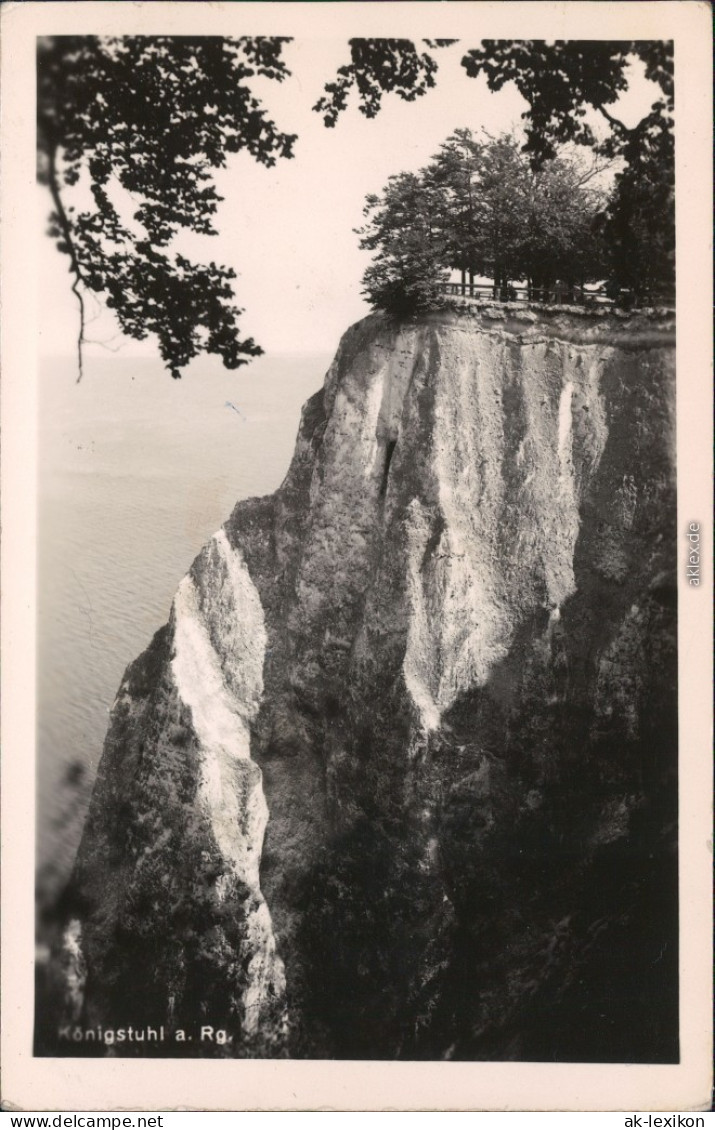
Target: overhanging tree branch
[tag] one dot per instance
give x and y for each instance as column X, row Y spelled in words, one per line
column 618, row 125
column 157, row 115
column 67, row 238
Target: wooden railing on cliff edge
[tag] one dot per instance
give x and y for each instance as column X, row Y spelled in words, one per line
column 557, row 296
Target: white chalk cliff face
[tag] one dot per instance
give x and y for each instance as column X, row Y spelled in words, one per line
column 398, row 778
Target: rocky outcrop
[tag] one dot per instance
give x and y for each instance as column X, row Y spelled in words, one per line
column 398, row 779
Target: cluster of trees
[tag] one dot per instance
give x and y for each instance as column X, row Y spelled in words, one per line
column 153, row 116
column 480, row 207
column 568, row 85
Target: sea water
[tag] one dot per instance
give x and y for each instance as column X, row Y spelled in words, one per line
column 135, row 472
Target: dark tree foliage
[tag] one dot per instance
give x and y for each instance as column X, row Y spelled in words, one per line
column 559, row 80
column 639, row 223
column 149, row 118
column 377, row 67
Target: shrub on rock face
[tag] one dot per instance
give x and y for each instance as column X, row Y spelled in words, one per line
column 403, row 295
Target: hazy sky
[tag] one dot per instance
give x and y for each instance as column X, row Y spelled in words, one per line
column 288, row 231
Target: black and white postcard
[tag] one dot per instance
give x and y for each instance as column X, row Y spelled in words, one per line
column 357, row 556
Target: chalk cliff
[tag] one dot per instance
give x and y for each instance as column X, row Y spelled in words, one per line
column 399, row 777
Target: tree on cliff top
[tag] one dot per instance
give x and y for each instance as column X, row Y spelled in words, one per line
column 143, row 121
column 639, row 223
column 567, row 84
column 407, row 230
column 480, row 207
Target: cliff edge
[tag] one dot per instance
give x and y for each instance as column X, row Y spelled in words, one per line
column 399, row 777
